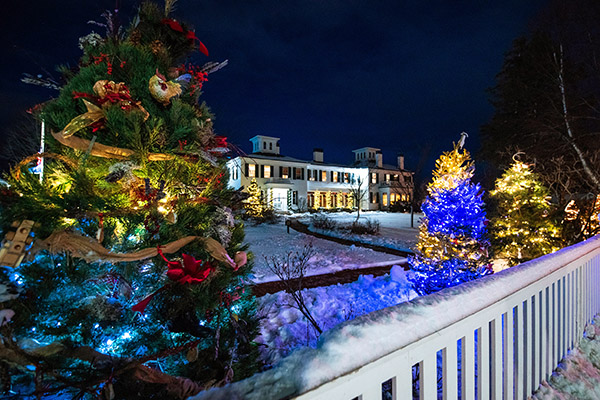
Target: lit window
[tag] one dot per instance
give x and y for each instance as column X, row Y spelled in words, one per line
column 387, row 177
column 298, row 174
column 311, row 175
column 335, row 177
column 267, row 173
column 384, row 198
column 392, row 198
column 373, row 177
column 251, row 171
column 285, row 172
column 323, row 176
column 346, row 177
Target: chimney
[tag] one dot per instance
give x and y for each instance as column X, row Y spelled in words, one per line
column 400, row 161
column 379, row 159
column 318, row 155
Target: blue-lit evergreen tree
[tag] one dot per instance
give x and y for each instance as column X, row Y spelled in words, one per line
column 453, row 245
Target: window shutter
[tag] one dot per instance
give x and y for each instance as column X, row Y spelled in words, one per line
column 246, row 170
column 294, row 173
column 331, row 176
column 262, row 171
column 280, row 171
column 302, row 174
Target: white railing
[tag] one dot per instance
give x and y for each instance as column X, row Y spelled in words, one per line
column 528, row 316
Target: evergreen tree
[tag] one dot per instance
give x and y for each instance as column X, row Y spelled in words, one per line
column 452, row 246
column 522, row 229
column 254, row 204
column 135, row 277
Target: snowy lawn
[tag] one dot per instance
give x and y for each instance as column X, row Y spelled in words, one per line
column 283, row 328
column 272, row 240
column 396, row 231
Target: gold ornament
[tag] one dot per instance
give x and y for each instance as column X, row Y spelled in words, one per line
column 162, row 90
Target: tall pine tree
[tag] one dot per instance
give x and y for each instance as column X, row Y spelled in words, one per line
column 136, row 275
column 522, row 229
column 453, row 245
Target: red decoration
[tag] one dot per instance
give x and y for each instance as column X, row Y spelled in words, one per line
column 191, row 35
column 221, row 141
column 191, row 271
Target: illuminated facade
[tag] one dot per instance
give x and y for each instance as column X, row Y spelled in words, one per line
column 291, row 184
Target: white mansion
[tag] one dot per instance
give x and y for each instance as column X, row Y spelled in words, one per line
column 291, row 184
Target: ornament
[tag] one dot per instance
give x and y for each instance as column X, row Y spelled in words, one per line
column 192, row 354
column 162, row 90
column 106, row 93
column 190, row 271
column 91, row 40
column 15, row 243
column 157, row 47
column 176, row 26
column 220, row 145
column 121, row 170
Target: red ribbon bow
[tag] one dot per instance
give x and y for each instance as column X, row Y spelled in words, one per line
column 191, row 35
column 191, row 271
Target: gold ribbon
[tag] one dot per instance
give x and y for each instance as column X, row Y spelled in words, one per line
column 104, row 151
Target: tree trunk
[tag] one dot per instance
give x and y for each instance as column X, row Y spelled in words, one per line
column 570, row 138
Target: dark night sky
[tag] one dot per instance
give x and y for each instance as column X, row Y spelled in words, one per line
column 404, row 76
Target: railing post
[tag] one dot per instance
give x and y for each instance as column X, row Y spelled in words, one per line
column 519, row 373
column 450, row 371
column 554, row 326
column 497, row 358
column 544, row 334
column 428, row 377
column 537, row 333
column 468, row 367
column 509, row 361
column 528, row 342
column 483, row 361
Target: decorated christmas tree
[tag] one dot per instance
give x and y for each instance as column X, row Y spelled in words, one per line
column 254, row 204
column 133, row 286
column 522, row 229
column 452, row 246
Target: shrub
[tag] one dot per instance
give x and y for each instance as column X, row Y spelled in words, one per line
column 369, row 227
column 321, row 221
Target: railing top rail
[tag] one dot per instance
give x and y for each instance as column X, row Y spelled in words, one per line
column 369, row 337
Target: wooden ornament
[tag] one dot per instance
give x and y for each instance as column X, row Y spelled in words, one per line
column 15, row 243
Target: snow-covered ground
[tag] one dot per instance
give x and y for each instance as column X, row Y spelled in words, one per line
column 397, row 230
column 272, row 240
column 283, row 327
column 578, row 374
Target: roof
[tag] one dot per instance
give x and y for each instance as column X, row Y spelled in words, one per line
column 279, row 157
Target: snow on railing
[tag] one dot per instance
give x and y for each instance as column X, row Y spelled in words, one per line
column 530, row 316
